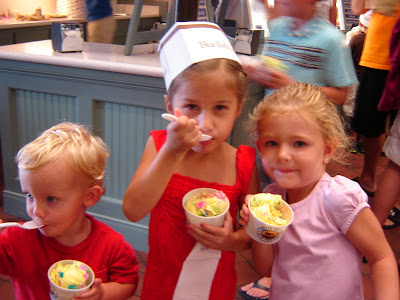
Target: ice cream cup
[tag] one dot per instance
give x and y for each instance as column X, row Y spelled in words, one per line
column 59, row 293
column 266, row 233
column 196, row 220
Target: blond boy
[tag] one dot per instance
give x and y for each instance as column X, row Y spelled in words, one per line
column 62, row 174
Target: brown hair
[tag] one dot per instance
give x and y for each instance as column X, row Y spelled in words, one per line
column 238, row 76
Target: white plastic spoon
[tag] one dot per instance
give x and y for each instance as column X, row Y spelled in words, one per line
column 26, row 225
column 169, row 117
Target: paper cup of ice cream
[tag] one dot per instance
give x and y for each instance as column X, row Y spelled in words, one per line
column 205, row 205
column 269, row 217
column 68, row 278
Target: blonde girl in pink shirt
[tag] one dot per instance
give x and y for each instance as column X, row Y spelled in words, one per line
column 319, row 256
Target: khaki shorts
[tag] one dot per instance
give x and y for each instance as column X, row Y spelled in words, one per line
column 102, row 30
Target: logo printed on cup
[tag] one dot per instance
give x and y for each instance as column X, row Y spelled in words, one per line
column 268, row 234
column 53, row 294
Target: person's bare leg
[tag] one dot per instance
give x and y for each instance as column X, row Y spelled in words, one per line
column 387, row 193
column 373, row 149
column 256, row 292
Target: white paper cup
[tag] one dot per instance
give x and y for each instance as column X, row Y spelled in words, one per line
column 267, row 233
column 59, row 293
column 196, row 220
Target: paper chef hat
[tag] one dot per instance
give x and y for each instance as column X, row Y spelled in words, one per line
column 187, row 43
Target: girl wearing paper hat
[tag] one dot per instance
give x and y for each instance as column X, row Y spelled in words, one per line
column 206, row 89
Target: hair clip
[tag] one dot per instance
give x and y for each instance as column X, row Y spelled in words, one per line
column 55, row 132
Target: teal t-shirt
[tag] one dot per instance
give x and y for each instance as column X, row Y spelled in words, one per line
column 316, row 53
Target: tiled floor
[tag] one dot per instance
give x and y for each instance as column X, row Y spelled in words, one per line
column 244, row 266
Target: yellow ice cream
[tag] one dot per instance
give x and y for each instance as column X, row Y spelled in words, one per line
column 208, row 205
column 267, row 207
column 70, row 276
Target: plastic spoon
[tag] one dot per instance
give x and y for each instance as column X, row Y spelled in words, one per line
column 169, row 117
column 26, row 225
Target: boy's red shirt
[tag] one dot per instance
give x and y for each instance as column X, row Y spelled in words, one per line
column 26, row 255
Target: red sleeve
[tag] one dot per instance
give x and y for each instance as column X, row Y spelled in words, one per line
column 114, row 260
column 7, row 253
column 124, row 267
column 159, row 137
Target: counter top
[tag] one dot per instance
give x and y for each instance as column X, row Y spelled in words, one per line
column 104, row 57
column 148, row 11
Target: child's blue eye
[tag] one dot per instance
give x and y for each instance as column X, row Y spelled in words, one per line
column 191, row 106
column 299, row 144
column 51, row 199
column 220, row 107
column 271, row 143
column 29, row 196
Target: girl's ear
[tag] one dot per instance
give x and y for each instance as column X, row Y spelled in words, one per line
column 330, row 148
column 93, row 195
column 168, row 104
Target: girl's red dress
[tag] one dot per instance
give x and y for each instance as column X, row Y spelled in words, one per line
column 170, row 244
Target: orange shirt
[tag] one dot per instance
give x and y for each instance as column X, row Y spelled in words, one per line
column 376, row 46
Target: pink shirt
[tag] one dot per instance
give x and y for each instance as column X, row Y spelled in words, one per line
column 314, row 260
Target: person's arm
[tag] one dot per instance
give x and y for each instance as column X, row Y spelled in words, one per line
column 275, row 79
column 367, row 235
column 156, row 169
column 150, row 180
column 333, row 13
column 358, row 7
column 226, row 238
column 272, row 11
column 268, row 77
column 336, row 94
column 263, row 257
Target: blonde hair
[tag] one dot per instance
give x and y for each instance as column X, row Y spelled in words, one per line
column 301, row 97
column 233, row 68
column 86, row 153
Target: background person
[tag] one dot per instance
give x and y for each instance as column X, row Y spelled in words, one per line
column 101, row 22
column 368, row 121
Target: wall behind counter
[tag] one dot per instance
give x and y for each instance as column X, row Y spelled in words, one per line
column 28, row 7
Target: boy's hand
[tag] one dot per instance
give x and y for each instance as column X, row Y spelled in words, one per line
column 214, row 237
column 95, row 292
column 244, row 212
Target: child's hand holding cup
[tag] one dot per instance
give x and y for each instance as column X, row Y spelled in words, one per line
column 68, row 278
column 268, row 218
